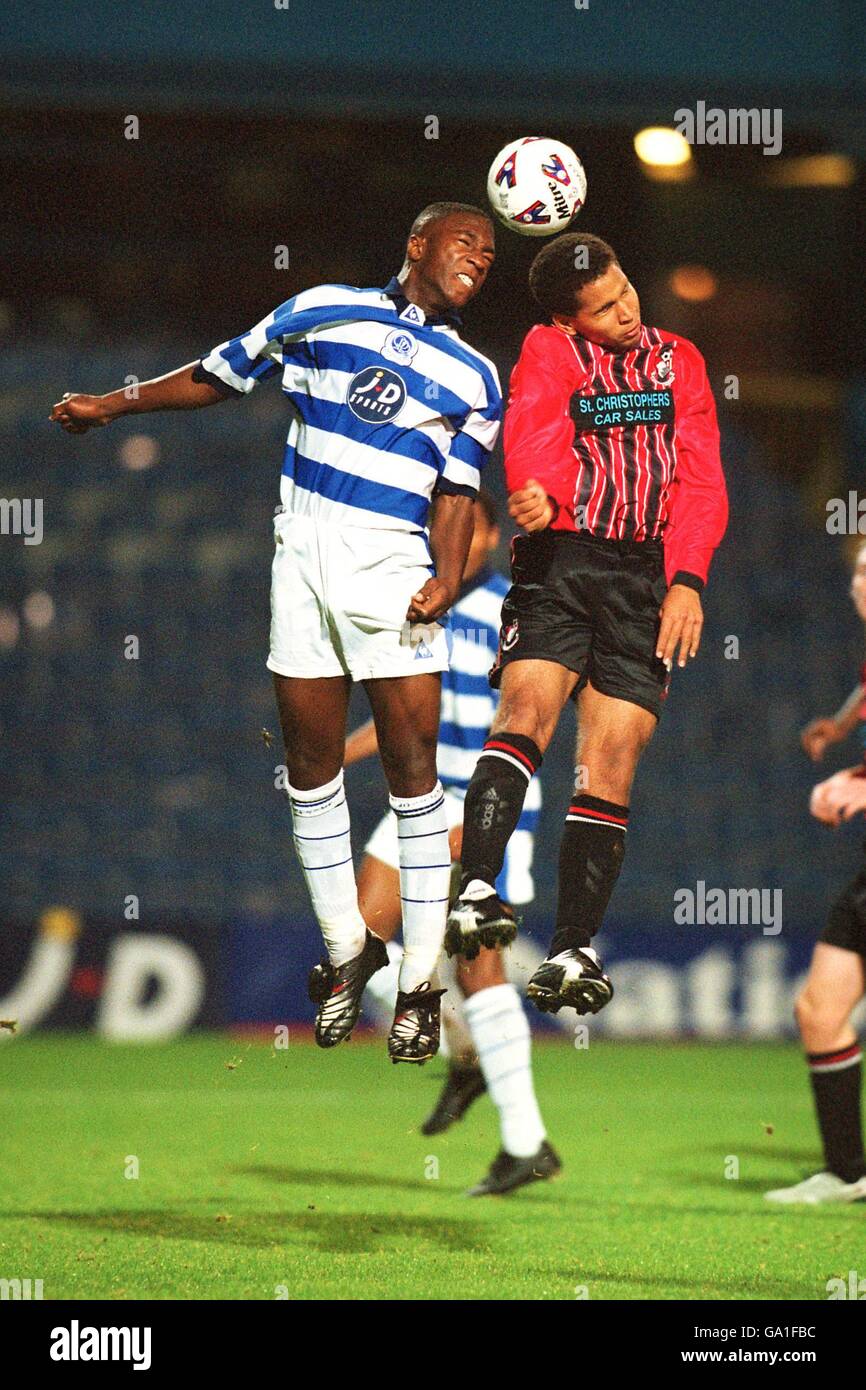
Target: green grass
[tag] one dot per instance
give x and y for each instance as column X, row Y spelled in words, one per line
column 307, row 1170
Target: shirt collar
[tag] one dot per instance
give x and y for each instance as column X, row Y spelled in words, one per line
column 394, row 289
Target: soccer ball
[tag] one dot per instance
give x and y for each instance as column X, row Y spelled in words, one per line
column 535, row 185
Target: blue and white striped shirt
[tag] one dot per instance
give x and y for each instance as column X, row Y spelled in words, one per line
column 388, row 405
column 468, row 707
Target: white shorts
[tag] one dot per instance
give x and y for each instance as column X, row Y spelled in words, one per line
column 514, row 884
column 339, row 596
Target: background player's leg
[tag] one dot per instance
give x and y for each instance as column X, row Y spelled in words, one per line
column 834, row 985
column 379, row 896
column 406, row 714
column 533, row 694
column 500, row 1031
column 612, row 734
column 313, row 720
column 379, row 901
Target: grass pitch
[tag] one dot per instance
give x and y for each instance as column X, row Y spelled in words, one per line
column 268, row 1173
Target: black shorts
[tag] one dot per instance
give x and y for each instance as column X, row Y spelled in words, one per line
column 846, row 921
column 591, row 605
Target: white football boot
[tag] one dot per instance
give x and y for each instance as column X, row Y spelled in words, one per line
column 820, row 1188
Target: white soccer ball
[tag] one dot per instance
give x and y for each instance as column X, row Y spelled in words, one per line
column 535, row 185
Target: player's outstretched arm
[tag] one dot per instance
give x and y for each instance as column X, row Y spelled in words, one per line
column 77, row 412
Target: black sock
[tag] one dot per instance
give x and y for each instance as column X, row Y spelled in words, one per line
column 836, row 1087
column 494, row 801
column 590, row 858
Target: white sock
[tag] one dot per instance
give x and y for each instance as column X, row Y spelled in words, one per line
column 320, row 818
column 500, row 1032
column 425, row 877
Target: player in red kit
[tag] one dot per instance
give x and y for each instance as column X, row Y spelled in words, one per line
column 613, row 470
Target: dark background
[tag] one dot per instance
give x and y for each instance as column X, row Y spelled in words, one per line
column 305, row 127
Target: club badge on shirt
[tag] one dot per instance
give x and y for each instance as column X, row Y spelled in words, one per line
column 400, row 346
column 662, row 374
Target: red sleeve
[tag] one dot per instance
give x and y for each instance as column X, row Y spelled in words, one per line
column 699, row 504
column 539, row 431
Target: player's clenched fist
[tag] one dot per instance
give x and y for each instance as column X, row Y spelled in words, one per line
column 432, row 600
column 77, row 412
column 531, row 507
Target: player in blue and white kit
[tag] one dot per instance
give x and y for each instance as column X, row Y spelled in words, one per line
column 393, row 417
column 487, row 1033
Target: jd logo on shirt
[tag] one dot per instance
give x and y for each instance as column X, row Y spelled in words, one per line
column 376, row 394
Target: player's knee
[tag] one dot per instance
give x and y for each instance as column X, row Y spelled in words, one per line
column 611, row 763
column 309, row 769
column 816, row 1011
column 411, row 770
column 522, row 716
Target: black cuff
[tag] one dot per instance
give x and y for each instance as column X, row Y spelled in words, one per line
column 691, row 581
column 556, row 509
column 454, row 489
column 200, row 373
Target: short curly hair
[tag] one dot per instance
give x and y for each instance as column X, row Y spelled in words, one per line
column 562, row 268
column 434, row 212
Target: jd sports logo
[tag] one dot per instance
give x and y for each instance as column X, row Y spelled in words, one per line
column 376, row 395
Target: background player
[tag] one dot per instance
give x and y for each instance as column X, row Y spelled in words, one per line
column 611, row 447
column 488, row 1036
column 391, row 411
column 835, row 983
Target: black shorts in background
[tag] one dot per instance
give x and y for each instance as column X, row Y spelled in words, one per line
column 591, row 605
column 846, row 922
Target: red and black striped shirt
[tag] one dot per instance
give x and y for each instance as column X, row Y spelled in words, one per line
column 625, row 442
